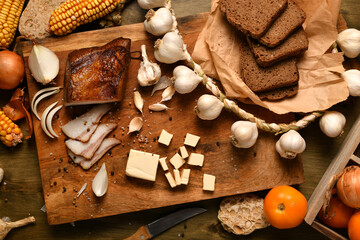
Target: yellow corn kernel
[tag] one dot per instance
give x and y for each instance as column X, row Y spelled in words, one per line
column 10, row 133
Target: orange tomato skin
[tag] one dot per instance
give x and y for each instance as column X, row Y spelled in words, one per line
column 285, row 207
column 338, row 215
column 354, row 227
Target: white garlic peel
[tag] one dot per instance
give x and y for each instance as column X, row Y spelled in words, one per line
column 332, row 123
column 149, row 73
column 290, row 144
column 349, row 42
column 43, row 64
column 208, row 107
column 244, row 134
column 100, row 182
column 186, row 80
column 170, row 48
column 147, row 4
column 352, row 78
column 158, row 22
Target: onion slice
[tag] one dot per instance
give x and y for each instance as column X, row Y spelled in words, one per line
column 35, row 101
column 43, row 119
column 49, row 119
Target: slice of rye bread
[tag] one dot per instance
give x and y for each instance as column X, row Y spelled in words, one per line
column 279, row 94
column 260, row 79
column 296, row 44
column 252, row 17
column 288, row 22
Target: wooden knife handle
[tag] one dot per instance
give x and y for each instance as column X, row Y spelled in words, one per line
column 141, row 234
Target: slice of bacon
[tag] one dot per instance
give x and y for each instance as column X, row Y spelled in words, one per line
column 105, row 146
column 88, row 149
column 82, row 127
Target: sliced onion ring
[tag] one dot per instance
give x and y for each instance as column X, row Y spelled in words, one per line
column 43, row 119
column 35, row 101
column 49, row 118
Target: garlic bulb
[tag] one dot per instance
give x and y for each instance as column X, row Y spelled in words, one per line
column 100, row 182
column 149, row 73
column 170, row 48
column 160, row 22
column 349, row 42
column 208, row 107
column 43, row 64
column 332, row 123
column 186, row 80
column 147, row 4
column 290, row 144
column 352, row 78
column 244, row 134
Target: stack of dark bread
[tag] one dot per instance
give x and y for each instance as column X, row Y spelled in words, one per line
column 272, row 40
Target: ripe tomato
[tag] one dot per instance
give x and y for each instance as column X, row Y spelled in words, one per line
column 285, row 207
column 354, row 227
column 338, row 215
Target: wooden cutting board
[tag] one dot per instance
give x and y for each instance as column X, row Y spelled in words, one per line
column 236, row 170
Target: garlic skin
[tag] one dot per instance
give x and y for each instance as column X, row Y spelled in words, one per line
column 186, row 80
column 170, row 48
column 208, row 107
column 349, row 42
column 43, row 64
column 244, row 134
column 290, row 144
column 149, row 73
column 159, row 22
column 332, row 123
column 100, row 182
column 147, row 4
column 352, row 78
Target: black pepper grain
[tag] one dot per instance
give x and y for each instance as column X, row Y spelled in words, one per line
column 170, row 118
column 112, row 173
column 61, row 160
column 218, row 144
column 64, row 189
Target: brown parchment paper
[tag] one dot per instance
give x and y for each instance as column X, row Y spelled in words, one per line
column 320, row 86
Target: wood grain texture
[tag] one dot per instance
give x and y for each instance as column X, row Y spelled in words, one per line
column 242, row 170
column 22, row 193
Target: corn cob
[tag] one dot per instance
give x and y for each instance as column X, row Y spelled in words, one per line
column 10, row 133
column 114, row 18
column 74, row 13
column 10, row 11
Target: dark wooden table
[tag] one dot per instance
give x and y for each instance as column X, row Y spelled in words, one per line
column 21, row 193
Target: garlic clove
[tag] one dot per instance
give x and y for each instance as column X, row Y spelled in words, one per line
column 157, row 107
column 43, row 64
column 168, row 93
column 352, row 78
column 147, row 4
column 100, row 182
column 149, row 73
column 159, row 22
column 244, row 134
column 139, row 101
column 186, row 80
column 163, row 83
column 332, row 123
column 349, row 42
column 290, row 144
column 170, row 48
column 208, row 107
column 135, row 124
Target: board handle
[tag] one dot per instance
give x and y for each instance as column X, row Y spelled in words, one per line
column 141, row 234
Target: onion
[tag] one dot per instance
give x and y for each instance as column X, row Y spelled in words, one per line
column 43, row 119
column 348, row 186
column 12, row 69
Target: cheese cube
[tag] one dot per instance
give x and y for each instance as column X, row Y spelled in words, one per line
column 208, row 182
column 142, row 165
column 191, row 140
column 177, row 161
column 170, row 179
column 196, row 159
column 183, row 152
column 163, row 164
column 177, row 177
column 165, row 137
column 185, row 175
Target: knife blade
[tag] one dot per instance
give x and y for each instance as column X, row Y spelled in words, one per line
column 158, row 226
